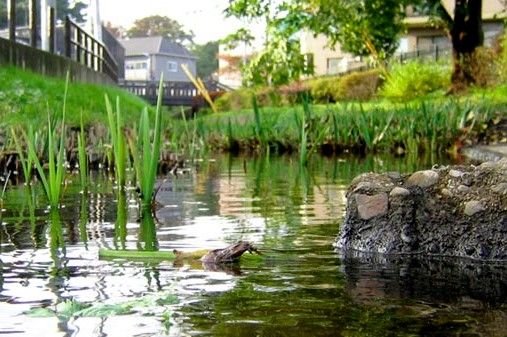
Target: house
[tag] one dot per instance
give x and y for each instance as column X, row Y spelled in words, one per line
column 421, row 36
column 147, row 58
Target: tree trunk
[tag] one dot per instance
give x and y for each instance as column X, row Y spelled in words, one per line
column 466, row 36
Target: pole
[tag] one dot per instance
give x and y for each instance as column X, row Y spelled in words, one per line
column 33, row 23
column 12, row 19
column 51, row 35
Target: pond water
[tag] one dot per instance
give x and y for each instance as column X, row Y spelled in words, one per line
column 50, row 268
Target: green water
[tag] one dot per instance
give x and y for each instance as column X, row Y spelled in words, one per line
column 53, row 284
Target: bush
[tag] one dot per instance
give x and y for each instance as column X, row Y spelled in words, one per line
column 359, row 86
column 415, row 78
column 323, row 89
column 485, row 66
column 235, row 100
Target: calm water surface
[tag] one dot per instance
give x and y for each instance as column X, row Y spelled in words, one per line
column 301, row 287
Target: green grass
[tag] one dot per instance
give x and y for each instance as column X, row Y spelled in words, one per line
column 430, row 123
column 25, row 96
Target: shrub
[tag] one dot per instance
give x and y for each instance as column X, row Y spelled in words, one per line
column 323, row 89
column 235, row 100
column 415, row 78
column 485, row 66
column 291, row 93
column 359, row 86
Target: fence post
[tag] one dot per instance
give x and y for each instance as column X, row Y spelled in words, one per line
column 436, row 53
column 68, row 38
column 33, row 23
column 52, row 22
column 12, row 19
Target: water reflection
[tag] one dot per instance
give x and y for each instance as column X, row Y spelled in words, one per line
column 300, row 288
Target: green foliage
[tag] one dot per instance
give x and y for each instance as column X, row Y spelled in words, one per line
column 323, row 89
column 157, row 25
column 72, row 308
column 358, row 86
column 64, row 9
column 415, row 79
column 207, row 61
column 83, row 158
column 118, row 140
column 146, row 152
column 279, row 63
column 367, row 28
column 235, row 100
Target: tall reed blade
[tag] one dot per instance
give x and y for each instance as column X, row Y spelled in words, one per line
column 118, row 140
column 83, row 163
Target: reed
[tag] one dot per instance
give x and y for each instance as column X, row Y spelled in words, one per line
column 83, row 162
column 146, row 152
column 53, row 181
column 115, row 123
column 26, row 161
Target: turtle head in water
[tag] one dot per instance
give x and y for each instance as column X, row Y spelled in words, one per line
column 229, row 254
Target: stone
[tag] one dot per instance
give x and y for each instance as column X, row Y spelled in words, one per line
column 399, row 192
column 463, row 189
column 423, row 179
column 500, row 188
column 463, row 216
column 473, row 207
column 370, row 207
column 455, row 173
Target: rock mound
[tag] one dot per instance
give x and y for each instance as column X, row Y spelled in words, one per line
column 446, row 211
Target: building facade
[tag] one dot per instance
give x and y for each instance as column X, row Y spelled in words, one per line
column 147, row 58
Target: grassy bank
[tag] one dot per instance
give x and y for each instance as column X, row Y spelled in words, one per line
column 26, row 97
column 431, row 123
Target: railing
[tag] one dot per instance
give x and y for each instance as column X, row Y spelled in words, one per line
column 435, row 53
column 174, row 93
column 85, row 49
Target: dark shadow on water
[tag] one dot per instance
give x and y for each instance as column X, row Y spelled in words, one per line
column 459, row 282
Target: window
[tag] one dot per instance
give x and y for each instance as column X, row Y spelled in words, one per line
column 172, row 66
column 334, row 65
column 136, row 65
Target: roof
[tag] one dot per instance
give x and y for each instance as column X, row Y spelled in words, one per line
column 154, row 45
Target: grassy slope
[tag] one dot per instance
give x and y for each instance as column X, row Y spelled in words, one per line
column 26, row 97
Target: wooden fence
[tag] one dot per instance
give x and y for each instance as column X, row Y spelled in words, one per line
column 86, row 50
column 84, row 54
column 45, row 63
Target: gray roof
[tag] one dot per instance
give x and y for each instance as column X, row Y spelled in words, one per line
column 154, row 45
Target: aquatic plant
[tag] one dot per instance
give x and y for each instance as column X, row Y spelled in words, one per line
column 54, row 180
column 146, row 152
column 83, row 162
column 115, row 122
column 26, row 161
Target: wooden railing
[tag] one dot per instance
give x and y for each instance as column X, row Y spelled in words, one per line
column 85, row 49
column 174, row 93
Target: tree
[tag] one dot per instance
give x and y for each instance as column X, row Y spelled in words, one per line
column 157, row 25
column 64, row 9
column 117, row 31
column 207, row 61
column 371, row 27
